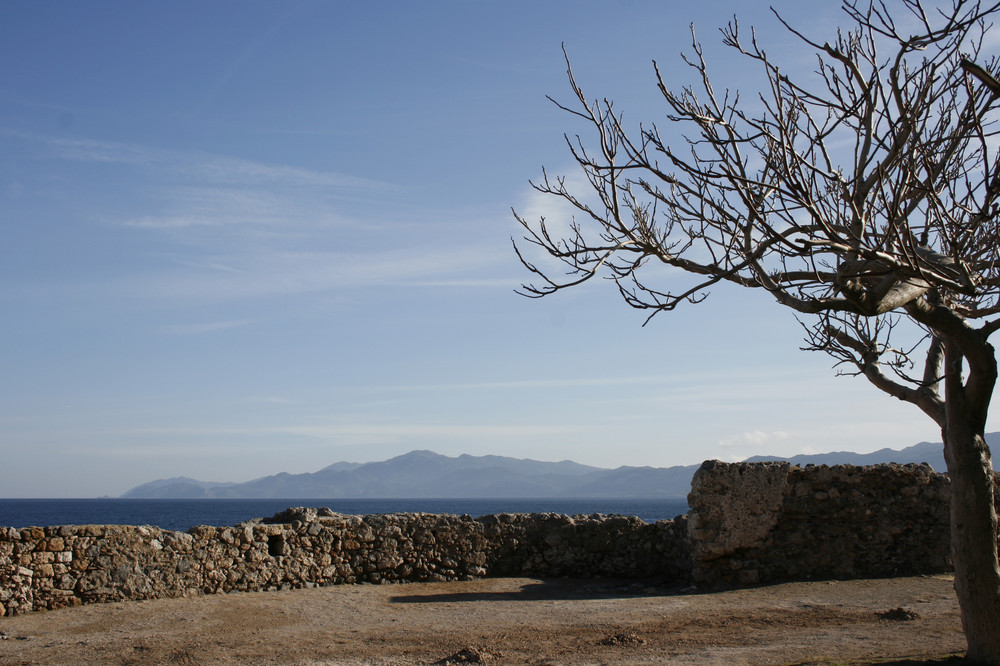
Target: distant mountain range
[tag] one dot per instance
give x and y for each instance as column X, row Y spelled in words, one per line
column 928, row 452
column 424, row 474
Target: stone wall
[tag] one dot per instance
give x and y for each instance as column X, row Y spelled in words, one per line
column 750, row 523
column 766, row 522
column 549, row 545
column 53, row 567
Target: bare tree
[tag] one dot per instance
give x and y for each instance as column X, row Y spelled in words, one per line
column 864, row 198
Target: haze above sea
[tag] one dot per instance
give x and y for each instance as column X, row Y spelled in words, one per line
column 180, row 515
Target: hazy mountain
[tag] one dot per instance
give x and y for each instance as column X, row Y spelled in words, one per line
column 178, row 487
column 425, row 474
column 342, row 467
column 931, row 453
column 421, row 474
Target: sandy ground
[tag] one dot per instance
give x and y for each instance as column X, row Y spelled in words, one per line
column 505, row 621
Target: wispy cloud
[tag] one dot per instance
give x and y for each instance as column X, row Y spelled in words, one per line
column 754, row 438
column 367, row 431
column 233, row 228
column 199, row 329
column 490, row 283
column 559, row 217
column 216, row 206
column 291, row 272
column 556, row 212
column 217, row 168
column 271, row 400
column 565, row 382
column 732, row 382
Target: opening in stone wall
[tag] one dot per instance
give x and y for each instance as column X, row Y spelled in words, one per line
column 275, row 545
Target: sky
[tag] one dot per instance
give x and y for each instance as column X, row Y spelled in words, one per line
column 243, row 238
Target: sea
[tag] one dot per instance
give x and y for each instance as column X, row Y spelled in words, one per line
column 180, row 515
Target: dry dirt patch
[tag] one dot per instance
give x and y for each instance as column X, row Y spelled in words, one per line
column 505, row 621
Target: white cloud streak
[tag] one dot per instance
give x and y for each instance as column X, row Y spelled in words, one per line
column 284, row 273
column 201, row 165
column 754, row 438
column 538, row 383
column 217, row 206
column 729, row 381
column 365, row 431
column 237, row 228
column 199, row 329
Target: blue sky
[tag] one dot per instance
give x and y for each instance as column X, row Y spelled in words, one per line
column 241, row 238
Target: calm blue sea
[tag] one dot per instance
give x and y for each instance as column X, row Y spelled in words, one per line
column 183, row 514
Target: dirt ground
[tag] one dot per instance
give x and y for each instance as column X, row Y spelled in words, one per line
column 506, row 621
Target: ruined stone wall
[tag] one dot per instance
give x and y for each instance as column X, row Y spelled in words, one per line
column 767, row 522
column 749, row 523
column 54, row 567
column 549, row 545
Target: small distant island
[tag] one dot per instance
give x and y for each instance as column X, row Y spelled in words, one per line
column 425, row 474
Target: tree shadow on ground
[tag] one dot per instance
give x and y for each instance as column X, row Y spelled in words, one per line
column 549, row 590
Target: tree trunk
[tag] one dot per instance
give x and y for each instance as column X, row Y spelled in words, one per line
column 974, row 534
